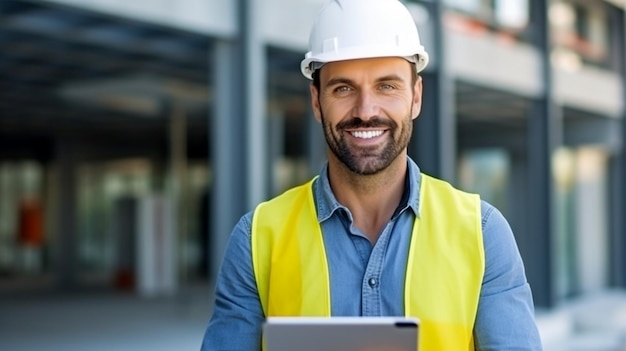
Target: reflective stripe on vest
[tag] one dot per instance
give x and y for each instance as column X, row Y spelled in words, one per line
column 445, row 263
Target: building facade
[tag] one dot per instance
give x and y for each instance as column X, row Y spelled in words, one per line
column 142, row 130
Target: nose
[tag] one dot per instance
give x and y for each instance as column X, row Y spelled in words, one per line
column 366, row 105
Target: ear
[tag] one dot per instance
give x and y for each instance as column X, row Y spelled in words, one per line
column 417, row 98
column 315, row 103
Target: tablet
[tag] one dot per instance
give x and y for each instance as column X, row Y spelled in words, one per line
column 340, row 333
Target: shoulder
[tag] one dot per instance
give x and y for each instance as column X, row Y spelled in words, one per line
column 501, row 251
column 246, row 219
column 492, row 219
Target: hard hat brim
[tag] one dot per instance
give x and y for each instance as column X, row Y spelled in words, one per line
column 311, row 63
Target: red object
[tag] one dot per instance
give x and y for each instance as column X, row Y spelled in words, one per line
column 30, row 226
column 124, row 280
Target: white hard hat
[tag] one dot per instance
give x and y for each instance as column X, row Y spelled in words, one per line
column 355, row 29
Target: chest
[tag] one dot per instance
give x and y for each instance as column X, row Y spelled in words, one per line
column 366, row 279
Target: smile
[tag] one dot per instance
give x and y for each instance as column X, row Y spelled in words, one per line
column 367, row 134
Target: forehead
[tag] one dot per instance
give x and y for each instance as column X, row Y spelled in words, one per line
column 370, row 68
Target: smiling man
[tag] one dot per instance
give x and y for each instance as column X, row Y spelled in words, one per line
column 372, row 235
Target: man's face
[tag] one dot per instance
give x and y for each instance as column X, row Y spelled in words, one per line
column 366, row 108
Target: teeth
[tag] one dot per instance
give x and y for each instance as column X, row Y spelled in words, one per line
column 367, row 135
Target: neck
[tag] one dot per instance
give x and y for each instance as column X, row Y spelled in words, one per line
column 372, row 199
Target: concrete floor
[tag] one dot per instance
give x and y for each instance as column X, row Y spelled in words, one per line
column 103, row 321
column 595, row 322
column 112, row 320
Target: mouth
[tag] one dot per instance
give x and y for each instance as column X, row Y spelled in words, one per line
column 366, row 134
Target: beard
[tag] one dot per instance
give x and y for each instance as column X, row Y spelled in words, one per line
column 368, row 160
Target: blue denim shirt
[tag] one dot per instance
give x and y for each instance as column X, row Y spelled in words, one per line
column 368, row 280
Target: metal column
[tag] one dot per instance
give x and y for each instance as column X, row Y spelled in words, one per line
column 618, row 165
column 434, row 138
column 254, row 98
column 178, row 189
column 228, row 147
column 543, row 129
column 239, row 138
column 66, row 247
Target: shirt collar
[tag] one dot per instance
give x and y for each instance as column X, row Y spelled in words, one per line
column 327, row 204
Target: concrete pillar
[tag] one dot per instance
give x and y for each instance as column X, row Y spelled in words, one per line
column 254, row 97
column 178, row 188
column 433, row 145
column 544, row 129
column 517, row 202
column 618, row 220
column 66, row 241
column 618, row 165
column 239, row 137
column 228, row 149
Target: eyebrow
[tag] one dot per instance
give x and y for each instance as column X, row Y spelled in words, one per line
column 337, row 81
column 391, row 77
column 341, row 80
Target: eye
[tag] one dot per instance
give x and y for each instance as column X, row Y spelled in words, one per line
column 385, row 86
column 342, row 89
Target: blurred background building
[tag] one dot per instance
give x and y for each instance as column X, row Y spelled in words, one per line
column 134, row 134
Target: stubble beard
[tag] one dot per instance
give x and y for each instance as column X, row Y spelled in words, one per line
column 368, row 160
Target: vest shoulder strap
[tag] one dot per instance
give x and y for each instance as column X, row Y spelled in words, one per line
column 288, row 256
column 445, row 266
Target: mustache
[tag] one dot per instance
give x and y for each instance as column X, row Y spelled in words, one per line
column 373, row 122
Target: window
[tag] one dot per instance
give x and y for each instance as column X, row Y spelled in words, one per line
column 468, row 6
column 580, row 30
column 496, row 14
column 512, row 13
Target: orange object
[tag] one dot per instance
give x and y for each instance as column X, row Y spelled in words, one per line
column 30, row 225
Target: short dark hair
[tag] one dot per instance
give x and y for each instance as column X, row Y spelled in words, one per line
column 316, row 79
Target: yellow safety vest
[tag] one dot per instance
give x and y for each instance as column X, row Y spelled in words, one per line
column 444, row 273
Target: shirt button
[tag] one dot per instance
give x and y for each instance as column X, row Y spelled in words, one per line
column 372, row 282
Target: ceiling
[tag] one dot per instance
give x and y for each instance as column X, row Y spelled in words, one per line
column 54, row 58
column 489, row 117
column 72, row 73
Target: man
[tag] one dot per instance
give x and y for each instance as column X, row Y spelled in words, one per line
column 372, row 235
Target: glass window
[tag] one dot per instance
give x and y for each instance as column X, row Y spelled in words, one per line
column 511, row 13
column 580, row 30
column 582, row 227
column 506, row 14
column 470, row 6
column 486, row 172
column 289, row 123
